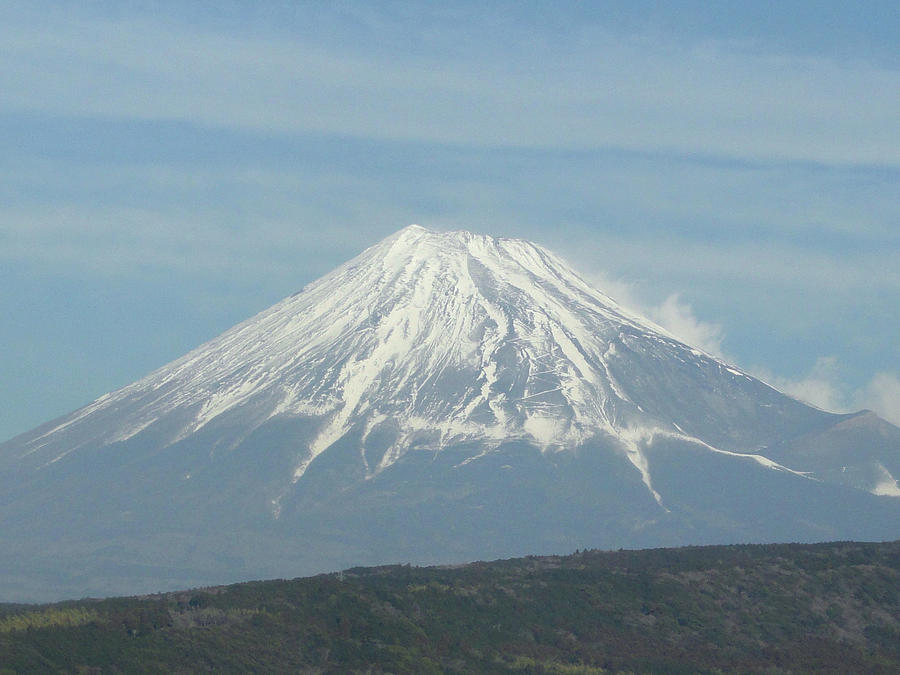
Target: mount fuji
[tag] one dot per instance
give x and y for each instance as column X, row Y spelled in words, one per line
column 442, row 397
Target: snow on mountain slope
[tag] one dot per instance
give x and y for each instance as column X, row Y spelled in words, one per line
column 442, row 396
column 442, row 338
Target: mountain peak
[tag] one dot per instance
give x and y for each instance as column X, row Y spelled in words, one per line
column 428, row 340
column 442, row 396
column 440, row 243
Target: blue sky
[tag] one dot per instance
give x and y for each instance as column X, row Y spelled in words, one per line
column 731, row 169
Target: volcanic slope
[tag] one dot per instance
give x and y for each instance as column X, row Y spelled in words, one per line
column 443, row 396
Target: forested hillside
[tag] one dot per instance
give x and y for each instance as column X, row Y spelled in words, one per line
column 774, row 609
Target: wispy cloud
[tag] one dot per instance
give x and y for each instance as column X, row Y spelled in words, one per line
column 881, row 394
column 142, row 142
column 591, row 88
column 790, row 265
column 824, row 387
column 678, row 318
column 821, row 386
column 673, row 314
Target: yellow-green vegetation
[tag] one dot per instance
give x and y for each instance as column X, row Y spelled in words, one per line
column 530, row 665
column 47, row 618
column 825, row 608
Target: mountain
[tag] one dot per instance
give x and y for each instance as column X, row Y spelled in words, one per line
column 441, row 397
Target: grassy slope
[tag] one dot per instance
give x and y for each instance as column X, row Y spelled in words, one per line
column 779, row 608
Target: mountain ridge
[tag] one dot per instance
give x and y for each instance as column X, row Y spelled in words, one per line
column 432, row 390
column 766, row 608
column 212, row 378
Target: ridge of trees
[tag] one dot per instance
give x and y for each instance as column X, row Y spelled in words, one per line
column 785, row 608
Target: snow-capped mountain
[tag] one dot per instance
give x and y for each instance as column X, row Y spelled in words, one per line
column 442, row 396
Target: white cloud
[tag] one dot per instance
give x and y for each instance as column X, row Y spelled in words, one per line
column 784, row 263
column 621, row 291
column 677, row 317
column 596, row 89
column 673, row 315
column 824, row 388
column 820, row 387
column 881, row 394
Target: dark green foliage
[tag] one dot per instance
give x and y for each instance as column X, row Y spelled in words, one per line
column 774, row 609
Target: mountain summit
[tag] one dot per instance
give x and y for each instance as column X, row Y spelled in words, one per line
column 442, row 396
